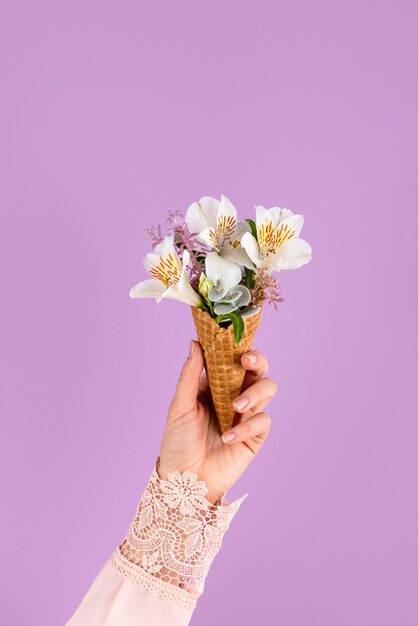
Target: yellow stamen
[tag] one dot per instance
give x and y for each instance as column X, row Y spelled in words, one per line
column 166, row 270
column 271, row 238
column 225, row 226
column 212, row 237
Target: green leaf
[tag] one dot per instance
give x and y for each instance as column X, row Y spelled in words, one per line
column 204, row 306
column 210, row 306
column 253, row 228
column 249, row 278
column 237, row 322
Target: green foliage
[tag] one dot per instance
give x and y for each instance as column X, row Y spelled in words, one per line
column 249, row 278
column 237, row 322
column 253, row 227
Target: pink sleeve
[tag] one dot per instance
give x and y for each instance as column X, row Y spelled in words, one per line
column 156, row 575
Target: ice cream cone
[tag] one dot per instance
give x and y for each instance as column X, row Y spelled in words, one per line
column 223, row 360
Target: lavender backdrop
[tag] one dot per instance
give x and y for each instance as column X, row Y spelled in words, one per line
column 112, row 113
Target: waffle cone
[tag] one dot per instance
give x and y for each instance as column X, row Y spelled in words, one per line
column 222, row 358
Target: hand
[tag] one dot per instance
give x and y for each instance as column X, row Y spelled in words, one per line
column 192, row 440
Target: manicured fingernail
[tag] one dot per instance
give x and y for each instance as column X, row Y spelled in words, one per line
column 240, row 403
column 227, row 437
column 191, row 349
column 252, row 358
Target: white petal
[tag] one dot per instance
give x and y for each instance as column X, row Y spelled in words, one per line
column 151, row 260
column 183, row 291
column 242, row 227
column 168, row 245
column 292, row 254
column 159, row 247
column 262, row 215
column 218, row 268
column 226, row 220
column 169, row 250
column 277, row 214
column 295, row 222
column 250, row 245
column 150, row 288
column 208, row 236
column 186, row 258
column 285, row 213
column 226, row 207
column 237, row 255
column 202, row 214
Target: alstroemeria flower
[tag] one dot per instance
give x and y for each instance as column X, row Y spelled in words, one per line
column 216, row 224
column 170, row 278
column 277, row 246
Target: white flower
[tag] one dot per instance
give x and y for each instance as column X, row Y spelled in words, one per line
column 170, row 278
column 215, row 223
column 277, row 246
column 222, row 273
column 184, row 491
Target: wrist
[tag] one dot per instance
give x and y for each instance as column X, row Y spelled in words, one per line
column 174, row 537
column 213, row 496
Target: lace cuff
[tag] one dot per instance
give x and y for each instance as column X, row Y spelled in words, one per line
column 174, row 537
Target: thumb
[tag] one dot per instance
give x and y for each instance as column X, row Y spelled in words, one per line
column 185, row 396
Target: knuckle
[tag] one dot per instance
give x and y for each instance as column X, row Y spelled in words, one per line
column 270, row 381
column 269, row 387
column 274, row 384
column 267, row 419
column 247, row 429
column 265, row 363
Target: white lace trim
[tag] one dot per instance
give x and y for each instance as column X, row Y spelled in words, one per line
column 174, row 537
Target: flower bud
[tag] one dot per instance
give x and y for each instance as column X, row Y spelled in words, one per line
column 205, row 285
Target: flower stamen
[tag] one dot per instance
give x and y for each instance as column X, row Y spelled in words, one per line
column 166, row 270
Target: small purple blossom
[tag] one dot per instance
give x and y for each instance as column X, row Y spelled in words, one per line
column 266, row 289
column 184, row 240
column 156, row 237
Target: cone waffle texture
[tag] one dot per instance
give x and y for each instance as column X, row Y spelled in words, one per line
column 223, row 360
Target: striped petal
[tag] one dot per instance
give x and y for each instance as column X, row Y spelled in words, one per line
column 293, row 223
column 208, row 236
column 165, row 266
column 226, row 221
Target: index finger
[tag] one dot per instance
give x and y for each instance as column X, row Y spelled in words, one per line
column 256, row 365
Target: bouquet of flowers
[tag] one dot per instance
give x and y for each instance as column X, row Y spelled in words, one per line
column 223, row 268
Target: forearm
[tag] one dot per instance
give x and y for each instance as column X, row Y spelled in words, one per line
column 174, row 537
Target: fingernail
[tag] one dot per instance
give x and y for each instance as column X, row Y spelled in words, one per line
column 227, row 437
column 191, row 349
column 240, row 403
column 252, row 358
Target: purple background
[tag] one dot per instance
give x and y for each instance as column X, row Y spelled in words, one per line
column 112, row 113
